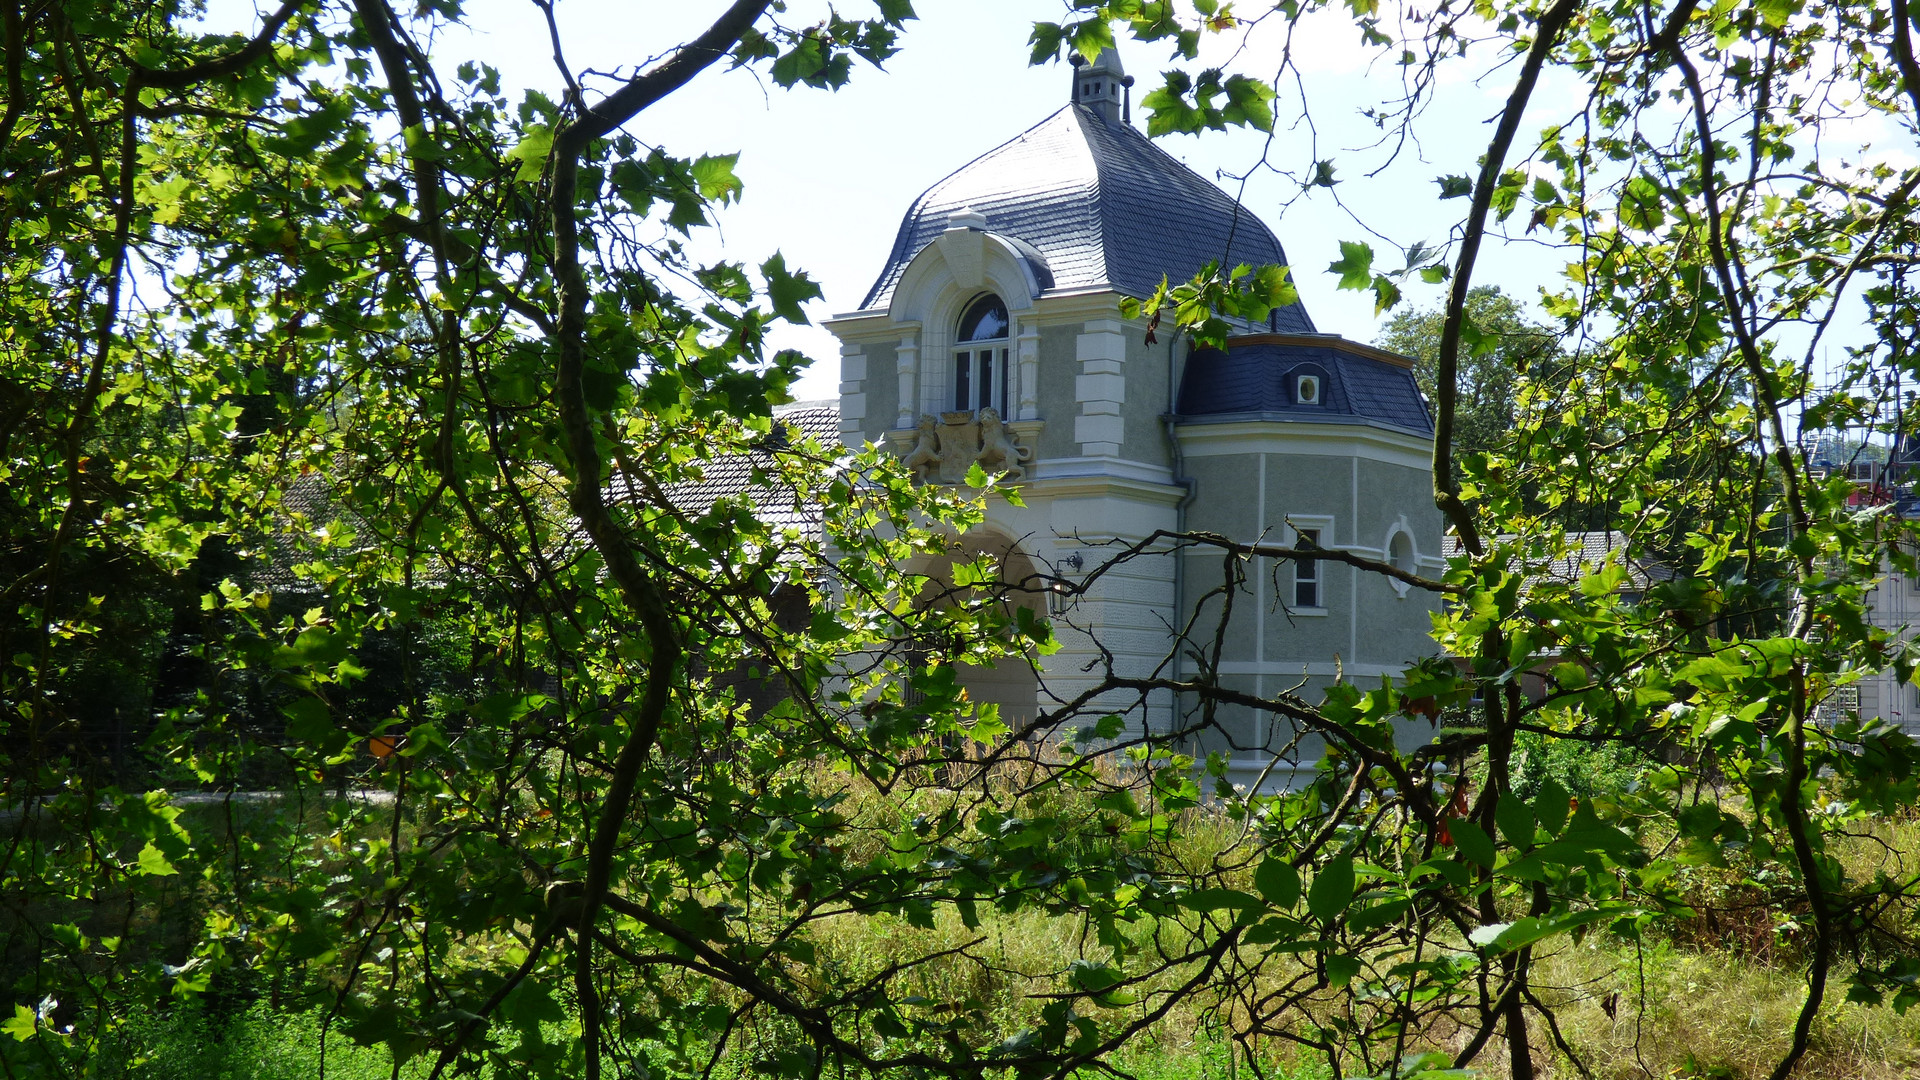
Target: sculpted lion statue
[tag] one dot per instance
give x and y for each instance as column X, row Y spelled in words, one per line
column 924, row 460
column 998, row 451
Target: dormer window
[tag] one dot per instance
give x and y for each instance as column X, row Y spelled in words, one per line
column 980, row 360
column 1306, row 389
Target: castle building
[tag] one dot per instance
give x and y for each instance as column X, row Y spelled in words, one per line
column 994, row 334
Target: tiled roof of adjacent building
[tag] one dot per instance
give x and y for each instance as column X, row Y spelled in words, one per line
column 774, row 503
column 1254, row 379
column 1102, row 206
column 1586, row 552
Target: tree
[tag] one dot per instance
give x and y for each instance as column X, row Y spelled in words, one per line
column 443, row 381
column 227, row 288
column 1508, row 347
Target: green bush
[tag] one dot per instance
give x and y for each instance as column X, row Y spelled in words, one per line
column 1582, row 768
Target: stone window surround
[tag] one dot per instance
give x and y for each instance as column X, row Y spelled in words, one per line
column 1323, row 526
column 1397, row 529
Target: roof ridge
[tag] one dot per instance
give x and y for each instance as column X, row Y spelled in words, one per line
column 1082, row 115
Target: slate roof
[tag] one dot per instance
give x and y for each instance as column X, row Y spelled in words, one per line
column 1586, row 551
column 1101, row 205
column 1253, row 379
column 775, row 504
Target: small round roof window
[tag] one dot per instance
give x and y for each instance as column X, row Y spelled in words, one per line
column 985, row 320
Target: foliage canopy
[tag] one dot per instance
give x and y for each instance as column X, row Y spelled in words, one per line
column 342, row 409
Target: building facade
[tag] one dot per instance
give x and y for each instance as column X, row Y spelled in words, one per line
column 994, row 334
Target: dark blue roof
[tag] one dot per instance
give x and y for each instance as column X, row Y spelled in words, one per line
column 1102, row 204
column 1254, row 379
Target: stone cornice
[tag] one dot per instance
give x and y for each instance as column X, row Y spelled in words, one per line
column 1215, row 437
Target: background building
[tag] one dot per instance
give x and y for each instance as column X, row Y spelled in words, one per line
column 993, row 333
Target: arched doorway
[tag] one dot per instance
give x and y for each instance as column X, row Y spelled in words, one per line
column 1012, row 682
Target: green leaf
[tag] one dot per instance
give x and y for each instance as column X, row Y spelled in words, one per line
column 1551, row 806
column 1355, row 266
column 714, row 178
column 1472, row 841
column 1218, row 900
column 1515, row 820
column 1506, row 937
column 1332, row 888
column 153, row 863
column 24, row 1024
column 309, row 721
column 315, row 647
column 532, row 152
column 1386, row 293
column 1278, row 881
column 1641, row 205
column 1454, row 187
column 1341, row 968
column 787, row 291
column 1091, row 37
column 1250, row 103
column 1569, row 675
column 887, row 1026
column 1775, row 13
column 1045, row 41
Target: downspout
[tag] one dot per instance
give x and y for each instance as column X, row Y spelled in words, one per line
column 1192, row 487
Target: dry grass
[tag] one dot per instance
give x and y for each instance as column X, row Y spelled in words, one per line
column 1666, row 1012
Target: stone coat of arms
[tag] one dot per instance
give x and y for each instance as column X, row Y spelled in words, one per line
column 946, row 447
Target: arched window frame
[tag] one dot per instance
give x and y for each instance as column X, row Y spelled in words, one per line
column 980, row 375
column 1406, row 559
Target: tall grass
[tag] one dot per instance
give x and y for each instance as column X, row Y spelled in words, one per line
column 189, row 1042
column 1715, row 1000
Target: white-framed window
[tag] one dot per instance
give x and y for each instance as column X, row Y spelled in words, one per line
column 1843, row 703
column 1306, row 389
column 980, row 375
column 1400, row 552
column 1402, row 555
column 1308, row 591
column 1306, row 572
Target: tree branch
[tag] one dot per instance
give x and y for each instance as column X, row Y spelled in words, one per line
column 643, row 90
column 1446, row 486
column 586, row 499
column 231, row 64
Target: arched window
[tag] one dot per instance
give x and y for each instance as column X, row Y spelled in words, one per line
column 1400, row 553
column 980, row 361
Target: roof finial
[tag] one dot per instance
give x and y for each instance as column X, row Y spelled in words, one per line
column 1102, row 84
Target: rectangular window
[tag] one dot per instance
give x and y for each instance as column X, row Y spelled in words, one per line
column 1306, row 573
column 980, row 380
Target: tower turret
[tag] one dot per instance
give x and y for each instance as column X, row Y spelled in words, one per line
column 1104, row 85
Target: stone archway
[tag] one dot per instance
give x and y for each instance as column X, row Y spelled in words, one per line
column 1011, row 683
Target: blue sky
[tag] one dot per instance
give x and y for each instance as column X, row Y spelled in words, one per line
column 829, row 174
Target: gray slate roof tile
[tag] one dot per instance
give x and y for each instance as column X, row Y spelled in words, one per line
column 1586, row 552
column 1102, row 205
column 775, row 504
column 1255, row 380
